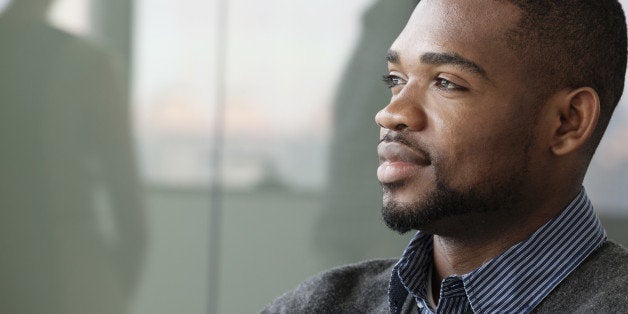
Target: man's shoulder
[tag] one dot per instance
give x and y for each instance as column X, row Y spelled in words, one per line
column 599, row 284
column 352, row 288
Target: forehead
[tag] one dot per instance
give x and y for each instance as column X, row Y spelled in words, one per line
column 473, row 29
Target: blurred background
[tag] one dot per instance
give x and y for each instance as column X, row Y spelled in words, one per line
column 200, row 156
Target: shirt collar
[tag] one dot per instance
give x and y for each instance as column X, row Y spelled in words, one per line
column 521, row 277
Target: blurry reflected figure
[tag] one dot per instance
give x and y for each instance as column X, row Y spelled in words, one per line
column 71, row 225
column 350, row 228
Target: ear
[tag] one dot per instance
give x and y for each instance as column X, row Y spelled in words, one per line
column 577, row 113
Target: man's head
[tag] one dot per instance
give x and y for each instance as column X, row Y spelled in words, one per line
column 571, row 44
column 492, row 106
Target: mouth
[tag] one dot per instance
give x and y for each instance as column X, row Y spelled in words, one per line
column 398, row 162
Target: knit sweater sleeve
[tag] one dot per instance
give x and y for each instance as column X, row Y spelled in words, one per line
column 354, row 288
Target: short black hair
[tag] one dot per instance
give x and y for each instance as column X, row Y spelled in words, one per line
column 572, row 44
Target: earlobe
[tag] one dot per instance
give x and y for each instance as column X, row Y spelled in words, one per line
column 578, row 112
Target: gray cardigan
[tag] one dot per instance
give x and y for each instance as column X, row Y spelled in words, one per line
column 598, row 285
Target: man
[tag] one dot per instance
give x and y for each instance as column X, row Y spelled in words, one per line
column 497, row 108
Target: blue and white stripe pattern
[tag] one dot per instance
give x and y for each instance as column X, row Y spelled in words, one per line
column 517, row 280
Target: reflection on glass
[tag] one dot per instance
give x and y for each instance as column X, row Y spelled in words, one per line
column 71, row 224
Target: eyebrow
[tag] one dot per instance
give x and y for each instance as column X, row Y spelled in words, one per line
column 392, row 56
column 438, row 58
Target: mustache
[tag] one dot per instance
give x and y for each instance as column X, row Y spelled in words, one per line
column 400, row 138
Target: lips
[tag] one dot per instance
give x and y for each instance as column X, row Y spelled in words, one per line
column 398, row 162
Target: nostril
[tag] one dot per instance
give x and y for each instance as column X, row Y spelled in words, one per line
column 388, row 120
column 400, row 127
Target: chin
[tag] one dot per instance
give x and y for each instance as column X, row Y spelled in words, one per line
column 418, row 207
column 405, row 193
column 402, row 218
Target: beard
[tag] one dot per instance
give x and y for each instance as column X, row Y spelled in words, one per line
column 435, row 212
column 451, row 210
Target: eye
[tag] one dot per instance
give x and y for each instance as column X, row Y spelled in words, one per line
column 448, row 85
column 392, row 80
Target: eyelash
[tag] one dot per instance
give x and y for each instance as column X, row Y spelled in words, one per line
column 391, row 80
column 441, row 83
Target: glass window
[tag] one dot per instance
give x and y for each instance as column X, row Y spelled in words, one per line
column 200, row 156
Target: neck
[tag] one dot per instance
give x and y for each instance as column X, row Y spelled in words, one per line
column 455, row 257
column 458, row 253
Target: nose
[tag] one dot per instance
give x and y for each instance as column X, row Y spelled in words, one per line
column 401, row 114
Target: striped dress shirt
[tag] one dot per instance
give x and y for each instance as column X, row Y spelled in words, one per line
column 515, row 281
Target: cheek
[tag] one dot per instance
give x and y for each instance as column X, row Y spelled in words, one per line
column 477, row 153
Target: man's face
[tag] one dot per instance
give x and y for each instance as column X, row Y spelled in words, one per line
column 458, row 135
